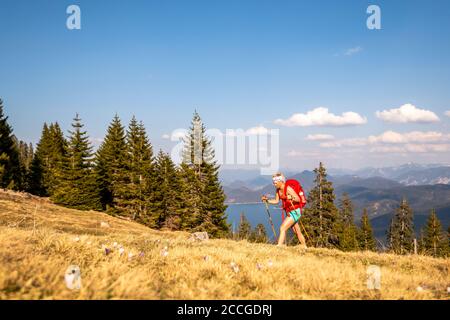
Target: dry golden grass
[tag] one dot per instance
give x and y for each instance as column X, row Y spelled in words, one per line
column 40, row 240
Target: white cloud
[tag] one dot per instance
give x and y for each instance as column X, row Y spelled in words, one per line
column 176, row 135
column 322, row 117
column 447, row 113
column 319, row 137
column 395, row 142
column 353, row 142
column 352, row 51
column 257, row 130
column 412, row 148
column 407, row 113
column 409, row 137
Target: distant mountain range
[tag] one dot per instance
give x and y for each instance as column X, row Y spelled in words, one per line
column 380, row 190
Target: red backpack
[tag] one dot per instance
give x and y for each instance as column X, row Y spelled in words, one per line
column 296, row 186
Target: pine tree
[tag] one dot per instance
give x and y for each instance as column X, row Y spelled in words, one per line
column 244, row 229
column 25, row 152
column 47, row 160
column 348, row 233
column 321, row 215
column 208, row 210
column 77, row 187
column 259, row 234
column 166, row 199
column 401, row 230
column 111, row 166
column 10, row 171
column 191, row 192
column 434, row 240
column 366, row 237
column 138, row 181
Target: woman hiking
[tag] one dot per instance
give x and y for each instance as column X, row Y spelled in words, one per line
column 292, row 202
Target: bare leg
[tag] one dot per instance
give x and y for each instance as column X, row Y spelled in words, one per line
column 299, row 234
column 287, row 223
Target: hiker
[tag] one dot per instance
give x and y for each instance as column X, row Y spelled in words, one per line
column 292, row 202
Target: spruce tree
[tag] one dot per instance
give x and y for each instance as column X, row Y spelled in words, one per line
column 259, row 234
column 111, row 166
column 434, row 239
column 244, row 229
column 208, row 210
column 348, row 233
column 366, row 237
column 191, row 192
column 10, row 171
column 321, row 215
column 77, row 187
column 47, row 161
column 401, row 230
column 138, row 181
column 166, row 199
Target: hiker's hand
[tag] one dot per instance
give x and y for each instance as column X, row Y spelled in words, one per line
column 264, row 199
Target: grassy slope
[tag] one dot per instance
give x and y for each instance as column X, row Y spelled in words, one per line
column 40, row 240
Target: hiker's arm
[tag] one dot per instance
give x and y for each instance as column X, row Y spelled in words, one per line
column 271, row 201
column 292, row 195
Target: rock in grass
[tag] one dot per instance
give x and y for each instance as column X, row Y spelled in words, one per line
column 165, row 252
column 234, row 267
column 199, row 236
column 104, row 225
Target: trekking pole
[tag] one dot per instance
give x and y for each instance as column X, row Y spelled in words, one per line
column 270, row 220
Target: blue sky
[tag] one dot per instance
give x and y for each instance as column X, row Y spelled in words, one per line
column 241, row 64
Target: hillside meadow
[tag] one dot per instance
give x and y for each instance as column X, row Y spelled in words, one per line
column 120, row 259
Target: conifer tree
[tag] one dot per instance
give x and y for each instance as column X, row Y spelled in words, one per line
column 111, row 166
column 138, row 180
column 191, row 192
column 321, row 215
column 10, row 172
column 366, row 237
column 166, row 199
column 47, row 161
column 208, row 210
column 434, row 239
column 77, row 187
column 401, row 230
column 259, row 234
column 348, row 233
column 244, row 229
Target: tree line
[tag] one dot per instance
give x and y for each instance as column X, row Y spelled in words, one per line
column 123, row 177
column 332, row 226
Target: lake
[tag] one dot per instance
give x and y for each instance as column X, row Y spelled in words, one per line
column 255, row 213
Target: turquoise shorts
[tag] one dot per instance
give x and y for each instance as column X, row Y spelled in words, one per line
column 295, row 214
